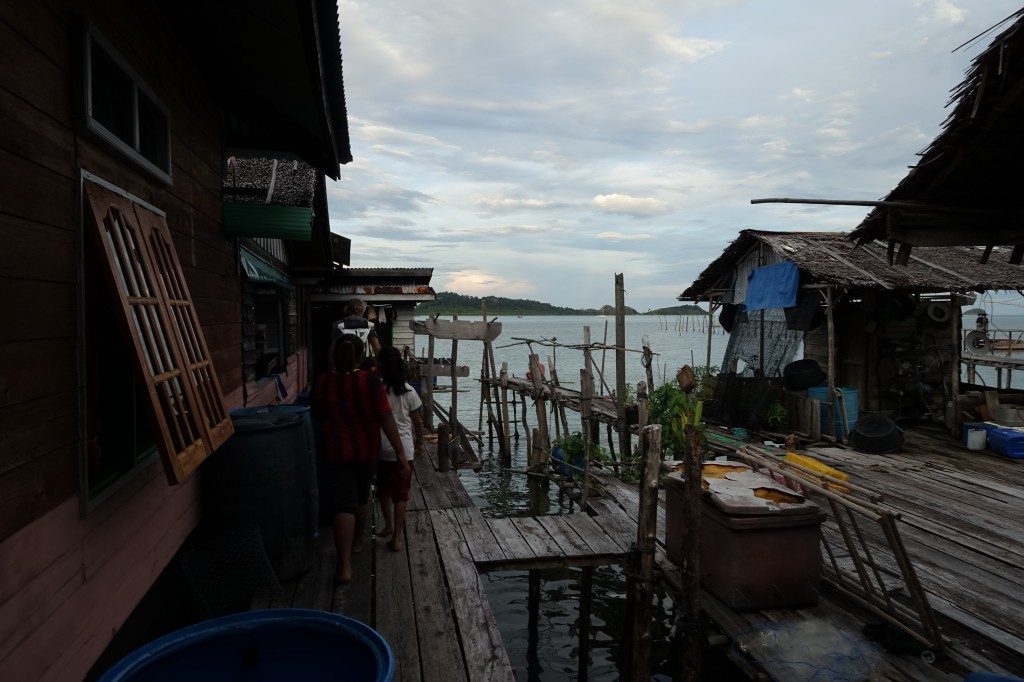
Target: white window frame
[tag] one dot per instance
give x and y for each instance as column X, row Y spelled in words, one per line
column 129, row 149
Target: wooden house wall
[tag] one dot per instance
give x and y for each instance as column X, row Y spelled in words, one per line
column 68, row 581
column 860, row 347
column 402, row 335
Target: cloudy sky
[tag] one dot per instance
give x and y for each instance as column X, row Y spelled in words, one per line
column 533, row 148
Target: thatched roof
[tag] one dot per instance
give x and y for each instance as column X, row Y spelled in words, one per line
column 831, row 258
column 975, row 163
column 281, row 182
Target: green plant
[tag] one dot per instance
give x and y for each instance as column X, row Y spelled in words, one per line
column 674, row 410
column 777, row 415
column 630, row 398
column 572, row 449
column 707, row 378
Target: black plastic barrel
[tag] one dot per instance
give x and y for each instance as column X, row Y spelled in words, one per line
column 277, row 644
column 265, row 474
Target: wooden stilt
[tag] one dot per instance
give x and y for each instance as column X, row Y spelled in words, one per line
column 428, row 392
column 500, row 422
column 604, row 353
column 586, row 393
column 643, row 572
column 583, row 624
column 506, row 452
column 453, row 411
column 690, row 626
column 620, row 362
column 954, row 370
column 539, row 401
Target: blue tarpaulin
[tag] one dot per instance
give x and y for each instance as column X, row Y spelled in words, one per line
column 773, row 286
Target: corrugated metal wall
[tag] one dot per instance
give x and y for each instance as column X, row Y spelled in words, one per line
column 746, row 265
column 403, row 336
column 275, row 247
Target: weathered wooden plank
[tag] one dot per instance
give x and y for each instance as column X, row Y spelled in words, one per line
column 434, row 495
column 563, row 534
column 453, row 488
column 314, row 589
column 486, row 659
column 510, row 539
column 394, row 618
column 440, row 655
column 355, row 599
column 592, row 534
column 481, row 541
column 540, row 541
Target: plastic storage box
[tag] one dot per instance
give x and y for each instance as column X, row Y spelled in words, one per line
column 1007, row 442
column 755, row 552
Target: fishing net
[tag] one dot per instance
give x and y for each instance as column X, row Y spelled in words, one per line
column 780, row 344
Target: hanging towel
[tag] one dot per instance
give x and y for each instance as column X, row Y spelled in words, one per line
column 773, row 286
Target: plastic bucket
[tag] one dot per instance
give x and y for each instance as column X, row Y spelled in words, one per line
column 276, row 644
column 850, row 400
column 977, row 439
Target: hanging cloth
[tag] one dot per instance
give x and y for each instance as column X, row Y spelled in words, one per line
column 773, row 286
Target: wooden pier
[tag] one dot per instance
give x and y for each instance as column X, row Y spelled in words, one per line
column 428, row 600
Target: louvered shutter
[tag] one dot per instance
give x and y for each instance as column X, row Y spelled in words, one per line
column 170, row 352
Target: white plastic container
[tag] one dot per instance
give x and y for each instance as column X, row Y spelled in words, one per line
column 977, row 439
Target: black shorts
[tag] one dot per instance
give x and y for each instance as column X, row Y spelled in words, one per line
column 349, row 484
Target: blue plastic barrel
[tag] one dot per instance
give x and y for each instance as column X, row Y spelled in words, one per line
column 259, row 646
column 849, row 398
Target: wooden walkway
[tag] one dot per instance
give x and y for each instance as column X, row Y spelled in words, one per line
column 961, row 518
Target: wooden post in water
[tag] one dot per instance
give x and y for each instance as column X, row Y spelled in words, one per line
column 643, row 563
column 583, row 625
column 586, row 393
column 690, row 626
column 648, row 364
column 604, row 352
column 428, row 393
column 443, row 439
column 496, row 418
column 711, row 325
column 641, row 404
column 539, row 402
column 506, row 452
column 620, row 364
column 554, row 399
column 453, row 411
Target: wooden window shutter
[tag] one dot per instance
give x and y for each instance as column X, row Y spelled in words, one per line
column 170, row 351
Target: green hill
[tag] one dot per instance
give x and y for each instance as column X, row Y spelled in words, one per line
column 688, row 309
column 451, row 303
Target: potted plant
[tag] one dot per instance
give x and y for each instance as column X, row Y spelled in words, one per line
column 567, row 453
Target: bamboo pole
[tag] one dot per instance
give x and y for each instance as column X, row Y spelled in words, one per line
column 711, row 326
column 643, row 573
column 554, row 399
column 453, row 411
column 648, row 362
column 620, row 363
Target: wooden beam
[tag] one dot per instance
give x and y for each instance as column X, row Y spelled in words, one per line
column 459, row 330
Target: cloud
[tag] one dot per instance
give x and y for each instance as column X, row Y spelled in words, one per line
column 941, row 11
column 629, row 205
column 623, row 236
column 498, row 204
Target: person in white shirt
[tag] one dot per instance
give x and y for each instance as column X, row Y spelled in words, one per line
column 394, row 480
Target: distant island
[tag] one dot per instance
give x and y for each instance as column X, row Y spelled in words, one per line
column 451, row 303
column 688, row 309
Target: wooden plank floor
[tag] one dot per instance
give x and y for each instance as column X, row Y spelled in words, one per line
column 962, row 526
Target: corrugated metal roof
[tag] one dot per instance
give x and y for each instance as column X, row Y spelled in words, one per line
column 829, row 257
